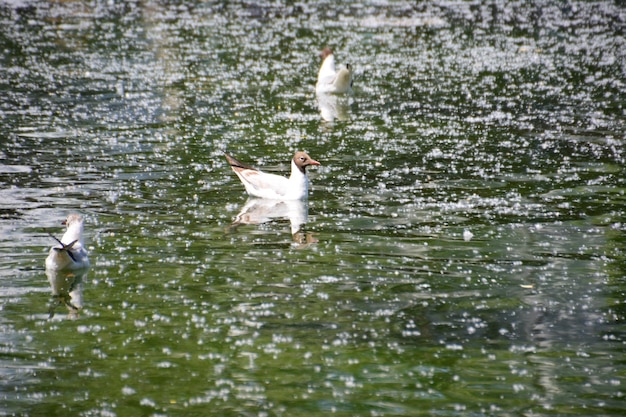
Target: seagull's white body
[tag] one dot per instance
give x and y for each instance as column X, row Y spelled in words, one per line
column 329, row 80
column 275, row 187
column 71, row 254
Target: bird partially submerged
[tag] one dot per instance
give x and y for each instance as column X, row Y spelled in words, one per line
column 329, row 80
column 66, row 265
column 71, row 254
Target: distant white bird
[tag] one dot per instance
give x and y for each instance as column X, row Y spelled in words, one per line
column 329, row 80
column 71, row 254
column 275, row 187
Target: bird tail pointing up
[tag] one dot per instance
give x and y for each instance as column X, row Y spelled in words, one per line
column 237, row 164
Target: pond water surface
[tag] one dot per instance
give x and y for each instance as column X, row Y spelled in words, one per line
column 465, row 236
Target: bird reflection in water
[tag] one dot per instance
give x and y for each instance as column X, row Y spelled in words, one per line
column 67, row 290
column 258, row 211
column 334, row 107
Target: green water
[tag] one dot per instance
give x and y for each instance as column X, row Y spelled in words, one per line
column 463, row 253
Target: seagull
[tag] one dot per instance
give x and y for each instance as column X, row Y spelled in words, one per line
column 329, row 80
column 71, row 254
column 275, row 187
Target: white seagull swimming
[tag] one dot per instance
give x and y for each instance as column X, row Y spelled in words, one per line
column 329, row 80
column 275, row 187
column 71, row 255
